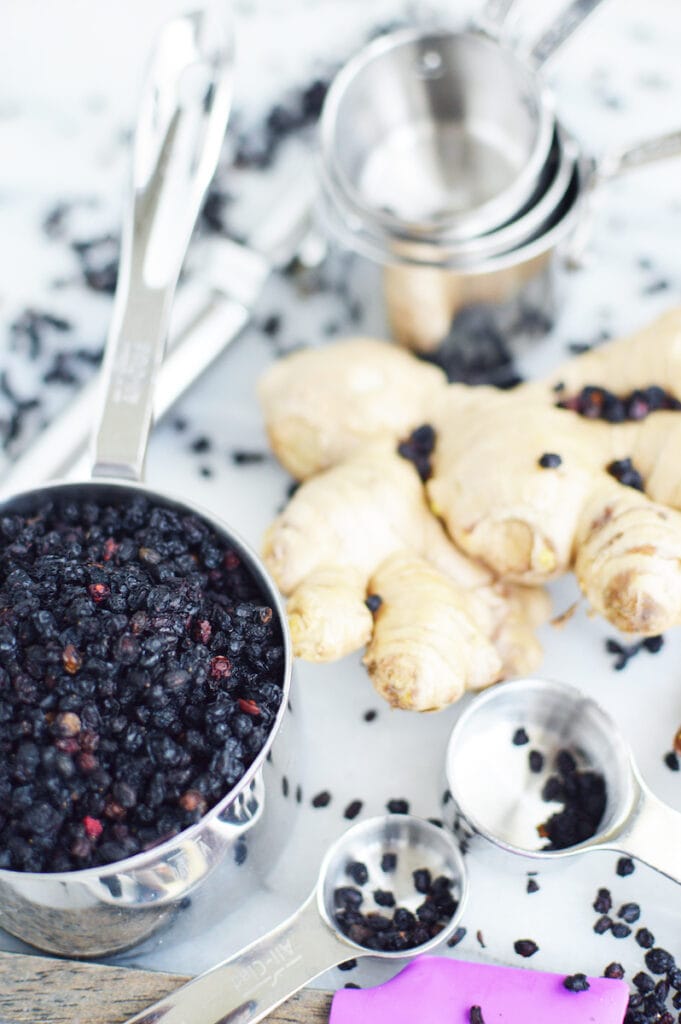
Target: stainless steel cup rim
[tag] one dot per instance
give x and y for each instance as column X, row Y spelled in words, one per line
column 354, row 234
column 622, row 781
column 465, row 225
column 257, row 569
column 531, row 222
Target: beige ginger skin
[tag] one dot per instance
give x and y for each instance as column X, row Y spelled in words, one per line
column 448, row 560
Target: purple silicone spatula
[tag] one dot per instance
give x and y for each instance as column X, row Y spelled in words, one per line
column 437, row 990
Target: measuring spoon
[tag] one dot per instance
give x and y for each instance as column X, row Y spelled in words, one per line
column 500, row 797
column 250, row 984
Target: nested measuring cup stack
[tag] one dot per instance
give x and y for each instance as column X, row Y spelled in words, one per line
column 442, row 160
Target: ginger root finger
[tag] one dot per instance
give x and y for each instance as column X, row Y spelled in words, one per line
column 320, row 405
column 497, row 501
column 327, row 614
column 628, row 558
column 357, row 514
column 427, row 647
column 651, row 355
column 517, row 612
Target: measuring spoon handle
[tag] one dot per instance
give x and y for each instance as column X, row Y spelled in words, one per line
column 567, row 22
column 180, row 128
column 653, row 835
column 252, row 983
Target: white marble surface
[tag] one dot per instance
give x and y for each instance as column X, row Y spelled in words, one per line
column 68, row 80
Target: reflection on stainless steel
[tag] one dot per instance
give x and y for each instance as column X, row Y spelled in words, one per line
column 247, row 986
column 427, row 131
column 497, row 797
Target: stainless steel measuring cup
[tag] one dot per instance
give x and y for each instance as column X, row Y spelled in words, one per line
column 519, row 267
column 250, row 984
column 500, row 798
column 180, row 129
column 429, row 132
column 413, row 136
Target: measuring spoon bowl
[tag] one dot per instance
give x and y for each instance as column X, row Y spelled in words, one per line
column 250, row 984
column 499, row 796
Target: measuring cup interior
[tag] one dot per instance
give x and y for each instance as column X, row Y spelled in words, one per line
column 416, row 844
column 422, row 128
column 490, row 773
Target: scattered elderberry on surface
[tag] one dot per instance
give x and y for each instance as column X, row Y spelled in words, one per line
column 535, row 760
column 625, row 652
column 520, row 737
column 659, row 961
column 475, row 350
column 550, row 460
column 671, row 759
column 398, row 806
column 532, row 886
column 525, row 947
column 629, row 912
column 458, row 936
column 625, row 866
column 674, row 977
column 146, row 670
column 322, row 799
column 576, row 983
column 614, row 970
column 620, row 931
column 352, row 810
column 374, row 602
column 603, row 924
column 475, row 1015
column 643, row 982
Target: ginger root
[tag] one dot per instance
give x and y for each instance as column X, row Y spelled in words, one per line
column 521, row 490
column 349, row 532
column 353, row 381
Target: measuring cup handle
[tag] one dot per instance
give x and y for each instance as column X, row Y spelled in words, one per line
column 650, row 151
column 653, row 835
column 252, row 983
column 567, row 22
column 180, row 128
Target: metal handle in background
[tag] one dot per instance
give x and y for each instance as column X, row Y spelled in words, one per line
column 252, row 983
column 649, row 151
column 495, row 12
column 608, row 167
column 203, row 324
column 180, row 128
column 653, row 835
column 567, row 22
